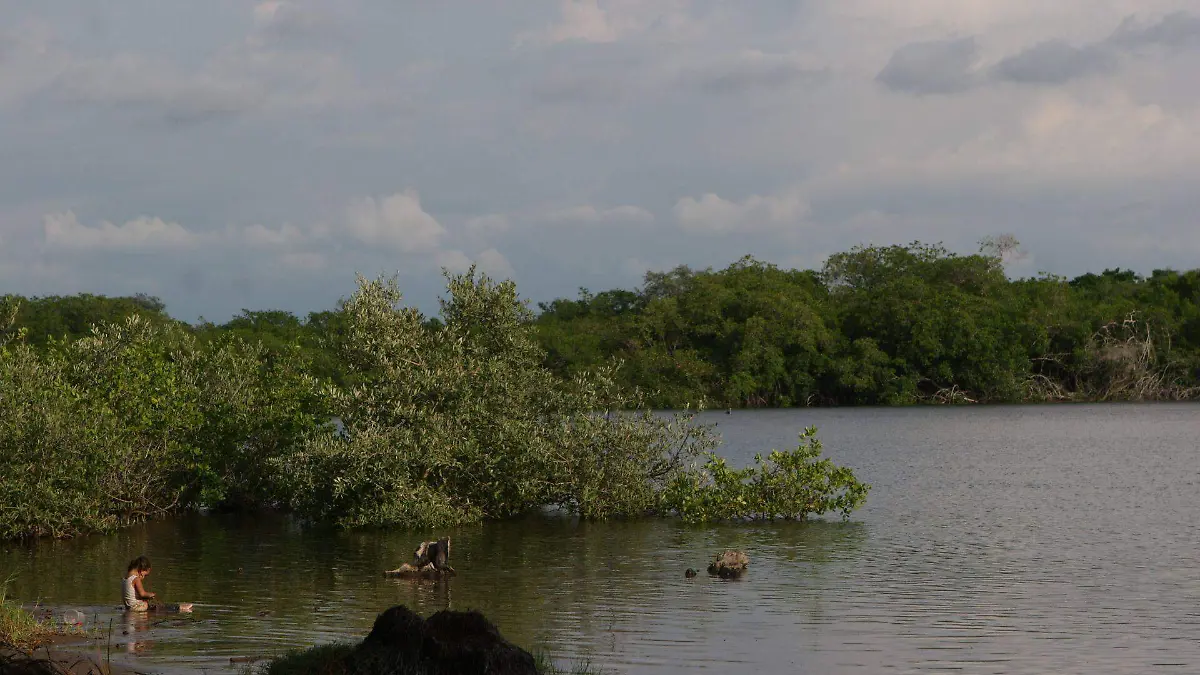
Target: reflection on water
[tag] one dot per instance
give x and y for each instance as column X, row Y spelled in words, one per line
column 1007, row 540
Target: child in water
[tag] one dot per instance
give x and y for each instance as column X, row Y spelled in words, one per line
column 134, row 593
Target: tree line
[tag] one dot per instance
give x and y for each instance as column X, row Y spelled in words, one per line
column 876, row 326
column 887, row 325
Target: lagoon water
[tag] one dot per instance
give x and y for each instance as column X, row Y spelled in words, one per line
column 1030, row 539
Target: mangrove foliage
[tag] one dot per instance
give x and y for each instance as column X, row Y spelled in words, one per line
column 430, row 422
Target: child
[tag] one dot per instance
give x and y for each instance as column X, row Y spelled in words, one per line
column 135, row 595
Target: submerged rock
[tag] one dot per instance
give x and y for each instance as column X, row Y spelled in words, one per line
column 690, row 573
column 729, row 564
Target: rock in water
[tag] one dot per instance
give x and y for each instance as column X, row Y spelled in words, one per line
column 690, row 573
column 729, row 564
column 463, row 643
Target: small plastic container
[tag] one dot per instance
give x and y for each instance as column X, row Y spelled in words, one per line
column 72, row 617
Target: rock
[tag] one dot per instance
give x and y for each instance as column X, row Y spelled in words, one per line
column 690, row 573
column 448, row 642
column 729, row 564
column 430, row 561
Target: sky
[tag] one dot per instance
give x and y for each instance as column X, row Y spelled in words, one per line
column 229, row 154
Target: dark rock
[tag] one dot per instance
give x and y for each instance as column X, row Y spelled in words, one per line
column 463, row 643
column 690, row 573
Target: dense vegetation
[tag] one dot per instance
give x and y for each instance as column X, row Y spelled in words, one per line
column 887, row 325
column 442, row 422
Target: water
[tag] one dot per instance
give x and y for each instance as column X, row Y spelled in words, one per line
column 996, row 540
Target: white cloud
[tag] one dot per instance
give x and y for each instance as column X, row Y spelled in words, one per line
column 277, row 20
column 489, row 261
column 495, row 264
column 605, row 21
column 487, row 225
column 1106, row 139
column 453, row 260
column 63, row 230
column 590, row 214
column 303, row 261
column 267, row 237
column 30, row 59
column 710, row 214
column 583, row 20
column 133, row 80
column 239, row 77
column 396, row 221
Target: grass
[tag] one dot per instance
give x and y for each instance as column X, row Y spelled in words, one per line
column 21, row 630
column 319, row 660
column 18, row 629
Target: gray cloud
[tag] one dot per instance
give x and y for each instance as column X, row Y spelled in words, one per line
column 938, row 67
column 750, row 70
column 137, row 84
column 945, row 67
column 1055, row 62
column 1177, row 30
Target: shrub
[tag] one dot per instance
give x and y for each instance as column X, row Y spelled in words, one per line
column 136, row 420
column 787, row 484
column 461, row 421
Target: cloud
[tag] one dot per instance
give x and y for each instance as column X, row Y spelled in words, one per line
column 937, row 67
column 235, row 79
column 490, row 261
column 283, row 19
column 303, row 261
column 284, row 236
column 608, row 21
column 572, row 85
column 608, row 119
column 583, row 20
column 453, row 260
column 1059, row 143
column 710, row 214
column 63, row 230
column 133, row 81
column 1055, row 62
column 947, row 67
column 488, row 225
column 1176, row 30
column 396, row 221
column 495, row 264
column 751, row 69
column 590, row 214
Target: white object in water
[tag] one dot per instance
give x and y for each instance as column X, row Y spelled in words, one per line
column 72, row 616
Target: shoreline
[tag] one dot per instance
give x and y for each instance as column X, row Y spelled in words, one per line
column 63, row 655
